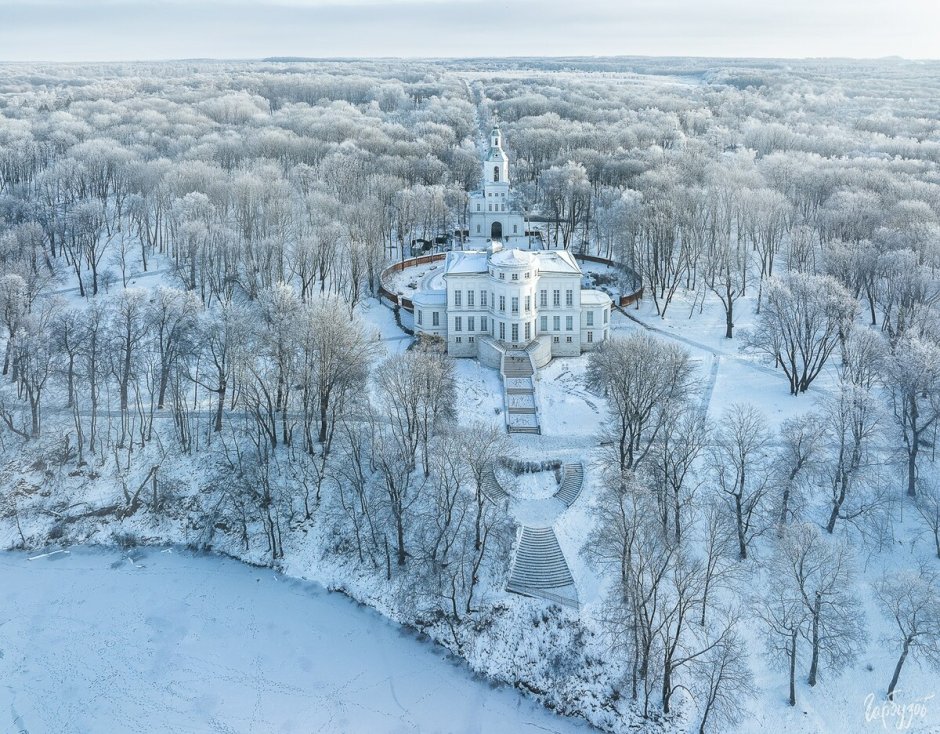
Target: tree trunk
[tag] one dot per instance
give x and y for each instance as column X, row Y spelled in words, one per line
column 742, row 545
column 897, row 669
column 912, row 464
column 729, row 316
column 400, row 530
column 837, row 505
column 793, row 668
column 218, row 410
column 814, row 665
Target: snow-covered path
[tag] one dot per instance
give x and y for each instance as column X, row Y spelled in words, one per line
column 91, row 641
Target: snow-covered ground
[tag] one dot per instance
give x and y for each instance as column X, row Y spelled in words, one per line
column 94, row 641
column 571, row 415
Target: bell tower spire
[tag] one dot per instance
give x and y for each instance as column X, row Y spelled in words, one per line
column 496, row 162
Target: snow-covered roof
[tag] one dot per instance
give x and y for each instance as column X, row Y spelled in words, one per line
column 557, row 261
column 461, row 263
column 514, row 258
column 429, row 298
column 593, row 297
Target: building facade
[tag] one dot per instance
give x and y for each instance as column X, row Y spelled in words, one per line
column 504, row 293
column 515, row 298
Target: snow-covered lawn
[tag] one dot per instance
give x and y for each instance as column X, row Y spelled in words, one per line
column 728, row 373
column 92, row 641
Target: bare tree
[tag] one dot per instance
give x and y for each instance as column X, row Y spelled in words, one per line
column 646, row 381
column 912, row 380
column 671, row 467
column 910, row 601
column 482, row 445
column 794, row 463
column 820, row 572
column 783, row 615
column 723, row 682
column 928, row 506
column 739, row 464
column 851, row 421
column 802, row 321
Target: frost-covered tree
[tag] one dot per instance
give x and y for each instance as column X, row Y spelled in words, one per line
column 647, row 382
column 910, row 601
column 802, row 320
column 911, row 376
column 739, row 463
column 820, row 571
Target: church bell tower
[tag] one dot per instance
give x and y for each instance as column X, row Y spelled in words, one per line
column 496, row 165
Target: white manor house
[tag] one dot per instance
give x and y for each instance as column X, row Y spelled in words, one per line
column 507, row 293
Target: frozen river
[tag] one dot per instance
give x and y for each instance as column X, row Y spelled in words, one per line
column 93, row 642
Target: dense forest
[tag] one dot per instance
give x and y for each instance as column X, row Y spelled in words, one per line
column 193, row 352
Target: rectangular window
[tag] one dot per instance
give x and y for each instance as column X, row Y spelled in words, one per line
column 478, row 229
column 478, row 209
column 435, row 319
column 568, row 339
column 515, row 304
column 556, row 323
column 590, row 336
column 502, row 276
column 545, row 323
column 458, row 323
column 569, row 323
column 420, row 314
column 605, row 315
column 528, row 331
column 502, row 331
column 457, row 298
column 569, row 298
column 458, row 339
column 590, row 318
column 543, row 299
column 502, row 303
column 556, row 298
column 515, row 276
column 489, row 207
column 483, row 298
column 470, row 323
column 515, row 332
column 555, row 340
column 515, row 230
column 528, row 304
column 470, row 339
column 483, row 323
column 470, row 295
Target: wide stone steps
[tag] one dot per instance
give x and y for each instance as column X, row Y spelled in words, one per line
column 519, row 393
column 571, row 481
column 539, row 567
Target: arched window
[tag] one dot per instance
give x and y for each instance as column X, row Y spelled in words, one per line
column 496, row 173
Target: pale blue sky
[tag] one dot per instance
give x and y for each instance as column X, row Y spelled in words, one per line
column 83, row 30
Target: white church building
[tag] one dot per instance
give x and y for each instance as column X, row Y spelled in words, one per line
column 494, row 211
column 505, row 295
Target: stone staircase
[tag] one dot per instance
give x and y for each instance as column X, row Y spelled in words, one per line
column 492, row 488
column 522, row 415
column 572, row 477
column 539, row 568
